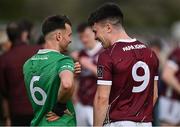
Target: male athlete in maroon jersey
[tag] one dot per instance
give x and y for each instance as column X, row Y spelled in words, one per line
column 127, row 73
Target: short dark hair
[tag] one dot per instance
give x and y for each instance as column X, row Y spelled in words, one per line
column 41, row 40
column 82, row 26
column 110, row 11
column 13, row 31
column 54, row 22
column 27, row 26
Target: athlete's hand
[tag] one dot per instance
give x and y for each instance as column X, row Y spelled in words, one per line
column 51, row 116
column 86, row 62
column 77, row 68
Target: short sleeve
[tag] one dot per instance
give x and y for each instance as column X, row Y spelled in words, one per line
column 66, row 64
column 104, row 69
column 156, row 67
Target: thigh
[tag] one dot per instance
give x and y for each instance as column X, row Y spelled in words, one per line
column 80, row 115
column 89, row 112
column 169, row 111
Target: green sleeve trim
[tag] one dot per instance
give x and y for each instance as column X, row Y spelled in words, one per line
column 66, row 67
column 66, row 64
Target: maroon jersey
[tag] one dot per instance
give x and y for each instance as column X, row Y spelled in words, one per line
column 87, row 80
column 174, row 62
column 11, row 78
column 130, row 68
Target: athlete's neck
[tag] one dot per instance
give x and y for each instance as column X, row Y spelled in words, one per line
column 51, row 45
column 119, row 35
column 93, row 45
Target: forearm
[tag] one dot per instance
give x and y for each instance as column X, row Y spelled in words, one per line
column 170, row 78
column 100, row 110
column 155, row 97
column 173, row 82
column 65, row 94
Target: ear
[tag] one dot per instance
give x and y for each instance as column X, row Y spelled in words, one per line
column 108, row 27
column 59, row 36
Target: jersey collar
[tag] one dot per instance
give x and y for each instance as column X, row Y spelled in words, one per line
column 93, row 51
column 126, row 40
column 43, row 51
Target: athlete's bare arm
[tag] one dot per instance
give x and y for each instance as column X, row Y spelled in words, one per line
column 66, row 86
column 170, row 79
column 65, row 92
column 101, row 103
column 155, row 92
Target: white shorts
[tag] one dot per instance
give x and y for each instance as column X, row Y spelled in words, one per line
column 169, row 110
column 129, row 124
column 84, row 115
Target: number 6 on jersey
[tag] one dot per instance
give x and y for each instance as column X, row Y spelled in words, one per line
column 37, row 89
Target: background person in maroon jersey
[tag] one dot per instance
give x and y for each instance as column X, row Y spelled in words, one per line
column 127, row 73
column 170, row 102
column 5, row 46
column 86, row 89
column 17, row 108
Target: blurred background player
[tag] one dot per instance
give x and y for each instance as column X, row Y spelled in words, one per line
column 5, row 44
column 26, row 28
column 156, row 44
column 50, row 74
column 18, row 110
column 87, row 80
column 170, row 102
column 127, row 73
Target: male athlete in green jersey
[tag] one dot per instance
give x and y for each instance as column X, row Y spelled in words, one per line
column 49, row 76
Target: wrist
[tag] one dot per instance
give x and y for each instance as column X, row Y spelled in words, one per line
column 59, row 108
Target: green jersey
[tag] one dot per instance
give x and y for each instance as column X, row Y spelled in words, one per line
column 41, row 74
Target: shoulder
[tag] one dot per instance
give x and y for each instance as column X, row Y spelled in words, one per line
column 4, row 57
column 66, row 63
column 34, row 48
column 104, row 57
column 27, row 62
column 65, row 58
column 104, row 54
column 174, row 56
